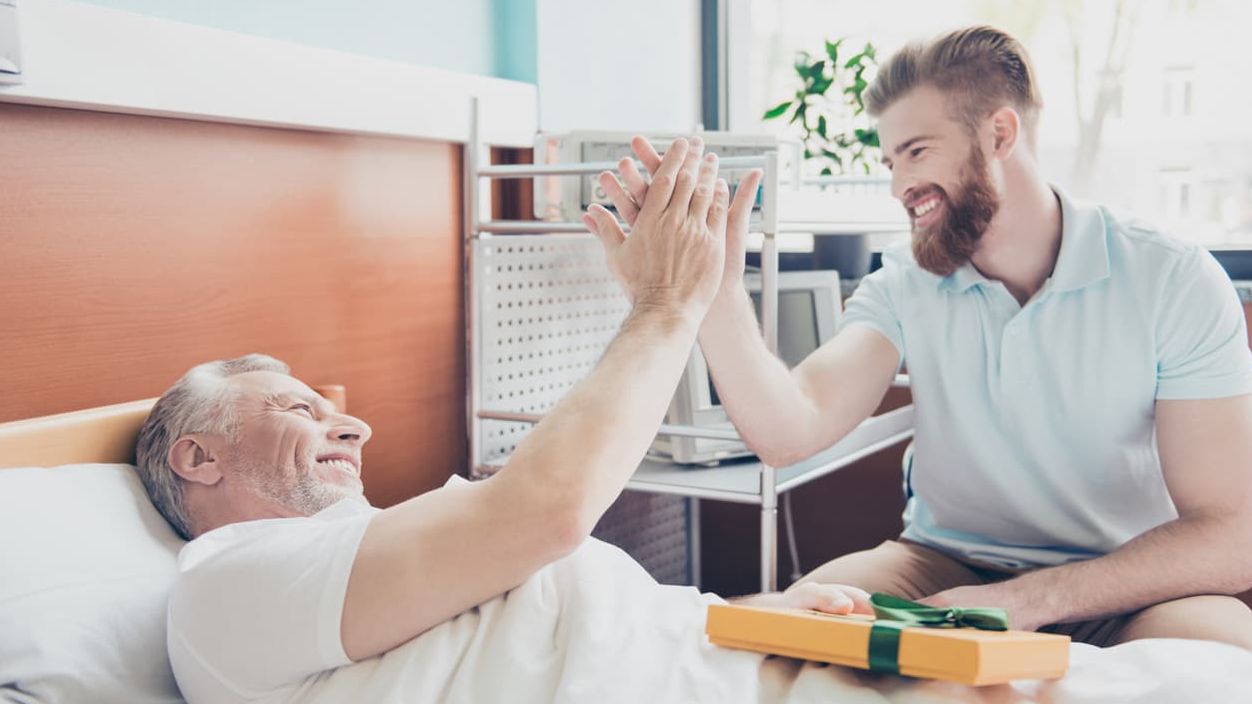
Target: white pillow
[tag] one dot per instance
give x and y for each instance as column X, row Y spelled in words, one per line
column 86, row 564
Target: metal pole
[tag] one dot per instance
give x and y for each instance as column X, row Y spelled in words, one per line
column 769, row 253
column 769, row 529
column 769, row 324
column 469, row 197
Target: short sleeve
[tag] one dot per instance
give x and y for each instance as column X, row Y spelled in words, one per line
column 1202, row 339
column 872, row 304
column 257, row 605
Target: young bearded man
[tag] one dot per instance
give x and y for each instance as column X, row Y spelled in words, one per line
column 1081, row 381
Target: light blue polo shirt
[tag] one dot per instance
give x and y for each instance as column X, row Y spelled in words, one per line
column 1035, row 436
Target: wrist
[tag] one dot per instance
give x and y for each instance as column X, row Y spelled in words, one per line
column 667, row 313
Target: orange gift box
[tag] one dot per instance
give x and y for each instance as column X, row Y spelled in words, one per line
column 965, row 655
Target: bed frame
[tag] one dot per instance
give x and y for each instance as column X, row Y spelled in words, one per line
column 105, row 434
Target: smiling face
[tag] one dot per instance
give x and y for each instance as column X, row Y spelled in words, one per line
column 291, row 448
column 940, row 175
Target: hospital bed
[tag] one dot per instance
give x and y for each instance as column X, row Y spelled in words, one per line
column 87, row 563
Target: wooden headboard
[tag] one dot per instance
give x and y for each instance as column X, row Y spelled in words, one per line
column 104, row 435
column 132, row 248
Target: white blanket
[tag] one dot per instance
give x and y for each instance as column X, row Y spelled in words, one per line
column 595, row 627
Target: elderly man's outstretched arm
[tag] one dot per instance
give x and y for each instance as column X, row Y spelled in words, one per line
column 432, row 557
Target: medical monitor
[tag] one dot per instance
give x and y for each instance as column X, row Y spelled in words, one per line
column 809, row 310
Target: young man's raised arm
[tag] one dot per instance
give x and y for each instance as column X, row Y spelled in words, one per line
column 434, row 556
column 783, row 415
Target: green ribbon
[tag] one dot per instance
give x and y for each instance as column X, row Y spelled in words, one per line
column 894, row 614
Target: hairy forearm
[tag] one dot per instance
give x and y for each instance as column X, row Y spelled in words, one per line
column 586, row 448
column 1187, row 556
column 774, row 417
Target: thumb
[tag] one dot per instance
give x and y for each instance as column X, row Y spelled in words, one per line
column 603, row 225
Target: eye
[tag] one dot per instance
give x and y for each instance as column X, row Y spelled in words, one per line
column 302, row 407
column 916, row 152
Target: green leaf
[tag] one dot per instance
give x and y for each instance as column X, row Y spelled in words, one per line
column 799, row 113
column 868, row 137
column 832, row 50
column 826, row 171
column 777, row 110
column 870, row 51
column 820, row 86
column 802, row 63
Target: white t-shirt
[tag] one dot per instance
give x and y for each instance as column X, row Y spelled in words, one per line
column 236, row 632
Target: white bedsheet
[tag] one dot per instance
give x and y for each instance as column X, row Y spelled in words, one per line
column 595, row 627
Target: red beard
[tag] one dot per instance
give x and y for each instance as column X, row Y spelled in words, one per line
column 946, row 245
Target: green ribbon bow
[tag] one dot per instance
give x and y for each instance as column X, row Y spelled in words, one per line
column 894, row 614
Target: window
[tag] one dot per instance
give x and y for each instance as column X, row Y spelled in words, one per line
column 1131, row 91
column 1177, row 85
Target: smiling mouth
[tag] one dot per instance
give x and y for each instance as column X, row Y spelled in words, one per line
column 924, row 211
column 343, row 464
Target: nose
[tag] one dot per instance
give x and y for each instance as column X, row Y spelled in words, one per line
column 901, row 183
column 349, row 429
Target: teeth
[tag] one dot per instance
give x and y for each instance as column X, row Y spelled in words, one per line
column 343, row 465
column 926, row 207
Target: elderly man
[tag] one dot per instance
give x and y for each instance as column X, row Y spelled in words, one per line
column 290, row 573
column 1082, row 382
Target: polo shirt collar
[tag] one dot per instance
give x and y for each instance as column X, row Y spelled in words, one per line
column 1083, row 259
column 1084, row 256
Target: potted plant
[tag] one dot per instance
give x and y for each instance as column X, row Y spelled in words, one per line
column 829, row 109
column 841, row 146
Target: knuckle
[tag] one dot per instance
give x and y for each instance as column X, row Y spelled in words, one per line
column 662, row 180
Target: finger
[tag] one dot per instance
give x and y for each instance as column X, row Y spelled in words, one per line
column 606, row 227
column 636, row 184
column 688, row 176
column 830, row 599
column 621, row 199
column 745, row 198
column 663, row 178
column 646, row 153
column 702, row 198
column 717, row 213
column 590, row 223
column 860, row 599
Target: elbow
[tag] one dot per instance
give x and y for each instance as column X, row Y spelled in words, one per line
column 567, row 526
column 776, row 456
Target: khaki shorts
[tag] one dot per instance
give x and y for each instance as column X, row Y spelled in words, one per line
column 914, row 571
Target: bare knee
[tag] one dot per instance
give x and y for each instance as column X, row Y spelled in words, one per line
column 1218, row 618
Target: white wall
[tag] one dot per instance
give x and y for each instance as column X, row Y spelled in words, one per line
column 451, row 35
column 612, row 65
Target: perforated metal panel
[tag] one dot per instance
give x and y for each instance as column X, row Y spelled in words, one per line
column 546, row 307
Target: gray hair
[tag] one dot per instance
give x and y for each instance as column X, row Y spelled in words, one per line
column 199, row 402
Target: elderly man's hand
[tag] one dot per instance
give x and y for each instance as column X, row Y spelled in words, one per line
column 632, row 190
column 836, row 599
column 675, row 253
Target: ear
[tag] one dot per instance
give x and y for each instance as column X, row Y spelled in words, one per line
column 193, row 459
column 1006, row 128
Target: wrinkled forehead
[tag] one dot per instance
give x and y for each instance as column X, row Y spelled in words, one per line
column 261, row 386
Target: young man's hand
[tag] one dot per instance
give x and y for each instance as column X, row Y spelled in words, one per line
column 675, row 253
column 632, row 190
